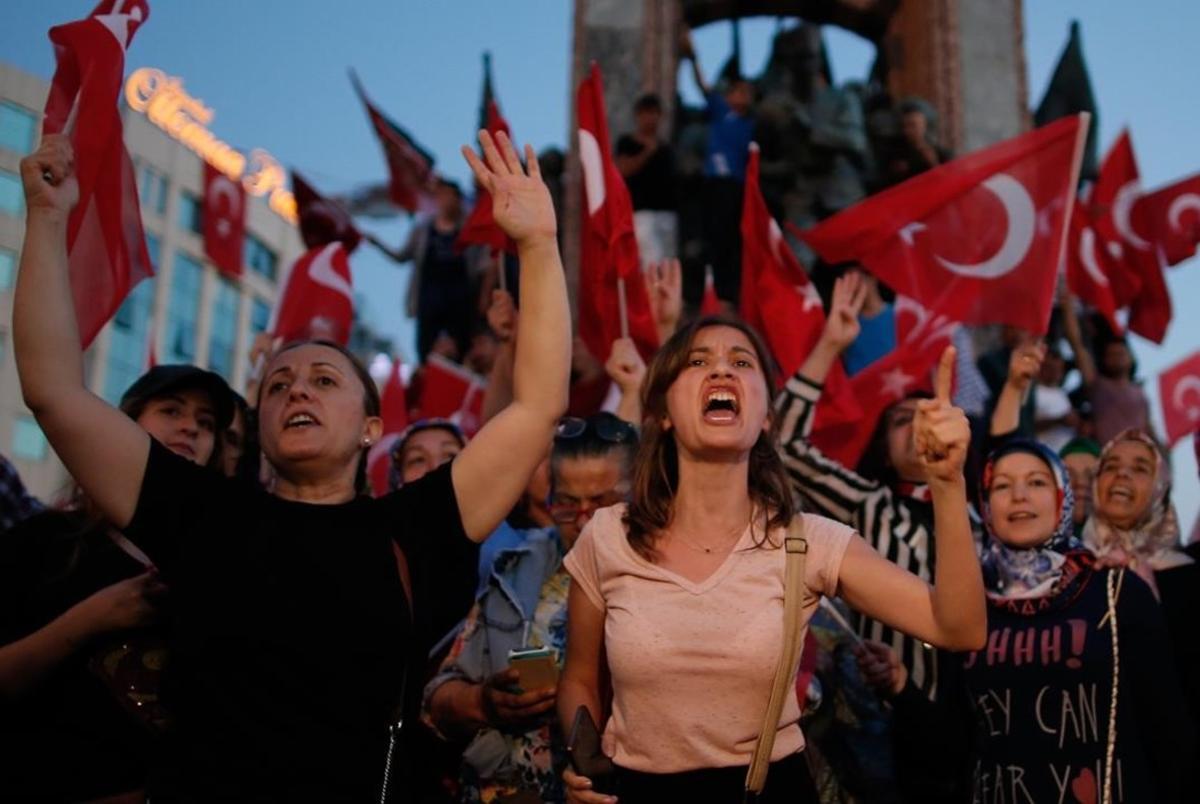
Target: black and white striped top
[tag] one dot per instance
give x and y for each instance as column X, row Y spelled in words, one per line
column 899, row 527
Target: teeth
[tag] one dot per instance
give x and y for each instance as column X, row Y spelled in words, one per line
column 301, row 418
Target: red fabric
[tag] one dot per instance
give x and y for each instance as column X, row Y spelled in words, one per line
column 1089, row 268
column 1139, row 282
column 379, row 464
column 321, row 220
column 481, row 228
column 1171, row 217
column 709, row 303
column 609, row 248
column 979, row 237
column 318, row 299
column 106, row 245
column 223, row 221
column 808, row 667
column 888, row 380
column 394, row 401
column 410, row 167
column 1179, row 392
column 450, row 391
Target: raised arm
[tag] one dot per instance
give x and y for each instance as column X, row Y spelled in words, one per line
column 1074, row 333
column 687, row 50
column 666, row 296
column 951, row 614
column 102, row 448
column 626, row 368
column 1023, row 366
column 491, row 473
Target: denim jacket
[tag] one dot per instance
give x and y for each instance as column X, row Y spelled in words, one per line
column 495, row 626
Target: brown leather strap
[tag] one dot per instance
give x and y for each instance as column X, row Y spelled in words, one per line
column 794, row 594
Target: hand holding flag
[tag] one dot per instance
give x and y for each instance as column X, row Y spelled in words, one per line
column 941, row 432
column 520, row 200
column 49, row 177
column 625, row 366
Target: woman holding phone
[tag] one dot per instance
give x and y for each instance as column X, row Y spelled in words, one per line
column 301, row 616
column 682, row 590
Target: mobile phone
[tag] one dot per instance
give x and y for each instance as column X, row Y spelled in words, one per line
column 538, row 668
column 587, row 758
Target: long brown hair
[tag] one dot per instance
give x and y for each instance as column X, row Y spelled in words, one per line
column 656, row 467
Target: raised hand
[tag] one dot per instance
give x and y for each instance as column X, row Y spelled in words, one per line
column 48, row 175
column 666, row 295
column 941, row 433
column 841, row 321
column 1025, row 363
column 520, row 200
column 625, row 366
column 502, row 315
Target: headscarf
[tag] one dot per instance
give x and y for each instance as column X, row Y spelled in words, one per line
column 1080, row 446
column 1153, row 542
column 1018, row 573
column 395, row 473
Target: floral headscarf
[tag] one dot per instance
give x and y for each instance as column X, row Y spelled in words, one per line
column 1010, row 572
column 1153, row 542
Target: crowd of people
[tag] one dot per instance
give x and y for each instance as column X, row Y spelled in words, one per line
column 997, row 598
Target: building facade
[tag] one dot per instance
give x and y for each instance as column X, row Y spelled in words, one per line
column 188, row 312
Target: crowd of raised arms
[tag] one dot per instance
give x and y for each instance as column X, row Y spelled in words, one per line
column 588, row 599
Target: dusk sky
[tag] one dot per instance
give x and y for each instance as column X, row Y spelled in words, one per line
column 274, row 71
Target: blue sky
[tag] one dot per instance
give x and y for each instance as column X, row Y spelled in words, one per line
column 275, row 73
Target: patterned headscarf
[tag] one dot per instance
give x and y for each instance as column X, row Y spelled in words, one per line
column 1010, row 572
column 1153, row 542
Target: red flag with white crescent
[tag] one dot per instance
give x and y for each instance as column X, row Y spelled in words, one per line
column 1089, row 268
column 223, row 221
column 980, row 237
column 609, row 252
column 106, row 246
column 318, row 298
column 321, row 219
column 1171, row 216
column 1179, row 393
column 451, row 391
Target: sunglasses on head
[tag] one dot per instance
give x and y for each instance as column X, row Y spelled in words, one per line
column 608, row 428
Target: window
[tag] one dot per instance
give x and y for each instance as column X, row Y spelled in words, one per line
column 29, row 442
column 8, row 268
column 260, row 316
column 189, row 212
column 152, row 189
column 129, row 342
column 154, row 249
column 261, row 259
column 183, row 309
column 12, row 195
column 223, row 329
column 18, row 126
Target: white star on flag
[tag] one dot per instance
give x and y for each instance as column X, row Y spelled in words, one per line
column 811, row 298
column 896, row 383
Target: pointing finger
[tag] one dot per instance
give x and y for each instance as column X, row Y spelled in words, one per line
column 944, row 385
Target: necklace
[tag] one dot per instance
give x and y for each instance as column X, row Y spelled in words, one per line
column 700, row 548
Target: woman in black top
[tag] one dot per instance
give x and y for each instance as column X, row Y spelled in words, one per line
column 1065, row 709
column 293, row 634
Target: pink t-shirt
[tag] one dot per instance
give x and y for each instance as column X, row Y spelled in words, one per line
column 692, row 663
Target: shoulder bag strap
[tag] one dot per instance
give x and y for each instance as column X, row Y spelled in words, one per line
column 794, row 593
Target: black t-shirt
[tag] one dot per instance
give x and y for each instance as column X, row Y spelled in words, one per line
column 444, row 270
column 1042, row 688
column 652, row 187
column 67, row 738
column 292, row 637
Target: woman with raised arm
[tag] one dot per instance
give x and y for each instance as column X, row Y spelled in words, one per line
column 300, row 615
column 682, row 591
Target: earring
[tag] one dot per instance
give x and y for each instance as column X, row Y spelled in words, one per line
column 366, row 442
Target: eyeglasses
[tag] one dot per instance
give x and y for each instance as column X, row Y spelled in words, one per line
column 606, row 426
column 565, row 513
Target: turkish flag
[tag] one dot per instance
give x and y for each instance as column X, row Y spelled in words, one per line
column 779, row 300
column 922, row 335
column 318, row 299
column 106, row 246
column 481, row 228
column 1089, row 267
column 1179, row 392
column 223, row 220
column 1114, row 198
column 394, row 402
column 710, row 304
column 322, row 221
column 1171, row 216
column 410, row 167
column 450, row 391
column 379, row 464
column 979, row 238
column 609, row 253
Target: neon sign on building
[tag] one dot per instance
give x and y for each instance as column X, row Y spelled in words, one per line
column 162, row 99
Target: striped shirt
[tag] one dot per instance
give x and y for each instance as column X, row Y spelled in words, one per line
column 899, row 527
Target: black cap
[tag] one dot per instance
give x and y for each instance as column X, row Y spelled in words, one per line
column 162, row 380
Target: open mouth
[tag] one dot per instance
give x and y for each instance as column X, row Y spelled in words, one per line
column 1120, row 493
column 1022, row 516
column 180, row 448
column 721, row 405
column 300, row 421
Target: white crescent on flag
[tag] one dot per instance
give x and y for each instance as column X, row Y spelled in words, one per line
column 1022, row 224
column 593, row 170
column 223, row 187
column 1087, row 257
column 322, row 273
column 1179, row 397
column 1121, row 207
column 1180, row 205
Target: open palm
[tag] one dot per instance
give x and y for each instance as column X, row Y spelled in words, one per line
column 521, row 202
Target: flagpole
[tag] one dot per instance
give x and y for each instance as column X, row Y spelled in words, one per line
column 621, row 307
column 502, row 275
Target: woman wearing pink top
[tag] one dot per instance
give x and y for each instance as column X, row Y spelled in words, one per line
column 679, row 596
